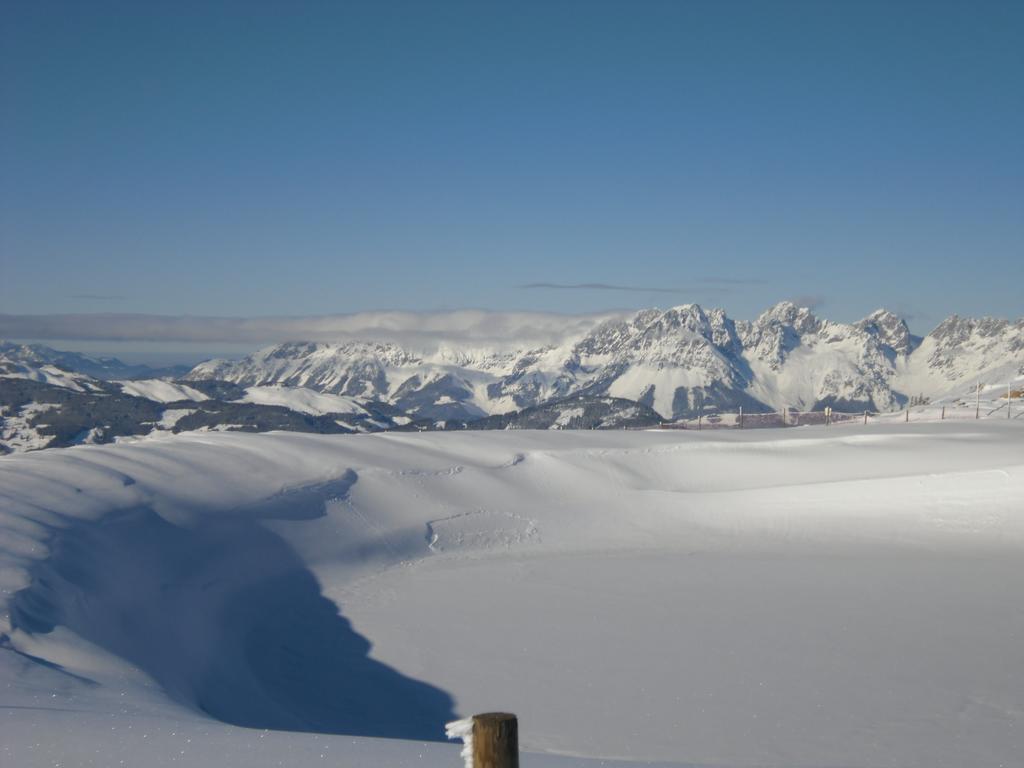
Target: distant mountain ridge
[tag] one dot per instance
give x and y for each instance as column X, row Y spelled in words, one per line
column 652, row 366
column 37, row 355
column 677, row 361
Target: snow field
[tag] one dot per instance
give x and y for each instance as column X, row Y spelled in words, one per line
column 799, row 597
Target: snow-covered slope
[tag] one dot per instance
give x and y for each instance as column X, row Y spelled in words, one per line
column 37, row 355
column 160, row 391
column 806, row 597
column 25, row 362
column 302, row 400
column 676, row 361
column 45, row 407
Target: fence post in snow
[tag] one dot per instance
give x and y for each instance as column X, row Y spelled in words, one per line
column 865, row 418
column 741, row 417
column 906, row 415
column 943, row 417
column 977, row 403
column 490, row 740
column 1008, row 393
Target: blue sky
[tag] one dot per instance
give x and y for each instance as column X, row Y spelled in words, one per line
column 300, row 158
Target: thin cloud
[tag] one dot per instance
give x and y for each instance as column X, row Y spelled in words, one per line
column 598, row 287
column 720, row 282
column 98, row 297
column 732, row 281
column 417, row 330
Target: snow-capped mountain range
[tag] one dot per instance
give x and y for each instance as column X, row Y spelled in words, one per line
column 637, row 371
column 676, row 361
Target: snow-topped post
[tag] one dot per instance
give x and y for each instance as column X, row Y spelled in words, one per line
column 741, row 417
column 490, row 740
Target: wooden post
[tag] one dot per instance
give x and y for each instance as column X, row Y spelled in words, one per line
column 490, row 740
column 495, row 740
column 1008, row 393
column 977, row 403
column 741, row 417
column 865, row 418
column 700, row 417
column 943, row 417
column 906, row 415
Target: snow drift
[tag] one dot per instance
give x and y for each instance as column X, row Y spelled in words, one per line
column 811, row 597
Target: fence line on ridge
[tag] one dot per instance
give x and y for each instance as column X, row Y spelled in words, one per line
column 831, row 417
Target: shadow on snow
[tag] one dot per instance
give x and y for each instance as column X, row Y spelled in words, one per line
column 225, row 616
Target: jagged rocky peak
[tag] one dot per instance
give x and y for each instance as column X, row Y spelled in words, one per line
column 955, row 329
column 690, row 317
column 290, row 349
column 612, row 336
column 480, row 357
column 786, row 313
column 778, row 331
column 891, row 331
column 686, row 335
column 725, row 332
column 673, row 329
column 384, row 352
column 959, row 346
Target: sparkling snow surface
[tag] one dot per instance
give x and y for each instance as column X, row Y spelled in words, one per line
column 806, row 597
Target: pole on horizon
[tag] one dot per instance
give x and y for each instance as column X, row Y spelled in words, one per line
column 977, row 402
column 906, row 415
column 1008, row 393
column 865, row 418
column 741, row 417
column 943, row 417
